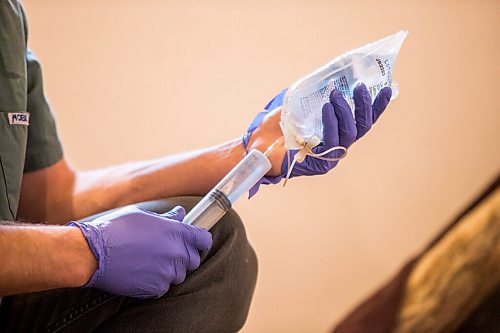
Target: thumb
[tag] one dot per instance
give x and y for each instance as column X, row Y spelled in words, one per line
column 178, row 213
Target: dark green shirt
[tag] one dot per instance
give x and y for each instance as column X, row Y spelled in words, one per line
column 28, row 137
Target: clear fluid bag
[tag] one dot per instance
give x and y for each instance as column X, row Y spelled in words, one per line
column 371, row 64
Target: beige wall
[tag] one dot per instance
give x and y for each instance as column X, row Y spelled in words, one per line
column 132, row 80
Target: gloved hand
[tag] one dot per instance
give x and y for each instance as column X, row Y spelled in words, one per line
column 340, row 128
column 141, row 253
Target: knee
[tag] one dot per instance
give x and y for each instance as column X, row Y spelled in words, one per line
column 228, row 272
column 230, row 239
column 223, row 285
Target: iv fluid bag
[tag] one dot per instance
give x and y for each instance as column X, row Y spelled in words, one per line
column 371, row 64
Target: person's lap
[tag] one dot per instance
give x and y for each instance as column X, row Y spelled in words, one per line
column 214, row 298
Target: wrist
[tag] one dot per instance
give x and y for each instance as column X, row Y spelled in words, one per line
column 82, row 262
column 235, row 151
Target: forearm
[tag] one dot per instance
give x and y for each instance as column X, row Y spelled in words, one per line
column 38, row 258
column 190, row 173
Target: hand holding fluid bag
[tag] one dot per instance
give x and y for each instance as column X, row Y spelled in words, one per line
column 141, row 253
column 340, row 128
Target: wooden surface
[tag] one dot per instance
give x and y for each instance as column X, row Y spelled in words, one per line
column 450, row 281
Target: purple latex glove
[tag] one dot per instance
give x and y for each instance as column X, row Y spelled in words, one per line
column 340, row 128
column 141, row 253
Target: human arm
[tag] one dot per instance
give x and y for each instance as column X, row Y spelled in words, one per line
column 37, row 258
column 60, row 193
column 128, row 252
column 70, row 194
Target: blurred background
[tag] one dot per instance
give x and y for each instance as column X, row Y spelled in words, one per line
column 131, row 80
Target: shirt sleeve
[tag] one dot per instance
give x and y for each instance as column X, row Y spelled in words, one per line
column 43, row 147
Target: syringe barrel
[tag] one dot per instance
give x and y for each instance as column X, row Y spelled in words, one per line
column 209, row 210
column 238, row 181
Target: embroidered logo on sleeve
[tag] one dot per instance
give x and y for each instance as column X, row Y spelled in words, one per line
column 19, row 118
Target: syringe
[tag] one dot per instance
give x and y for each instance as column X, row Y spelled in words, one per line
column 238, row 181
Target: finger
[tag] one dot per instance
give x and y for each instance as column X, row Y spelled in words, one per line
column 194, row 258
column 383, row 98
column 362, row 110
column 347, row 125
column 330, row 128
column 180, row 271
column 201, row 237
column 178, row 213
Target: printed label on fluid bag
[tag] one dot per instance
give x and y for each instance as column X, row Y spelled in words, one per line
column 318, row 98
